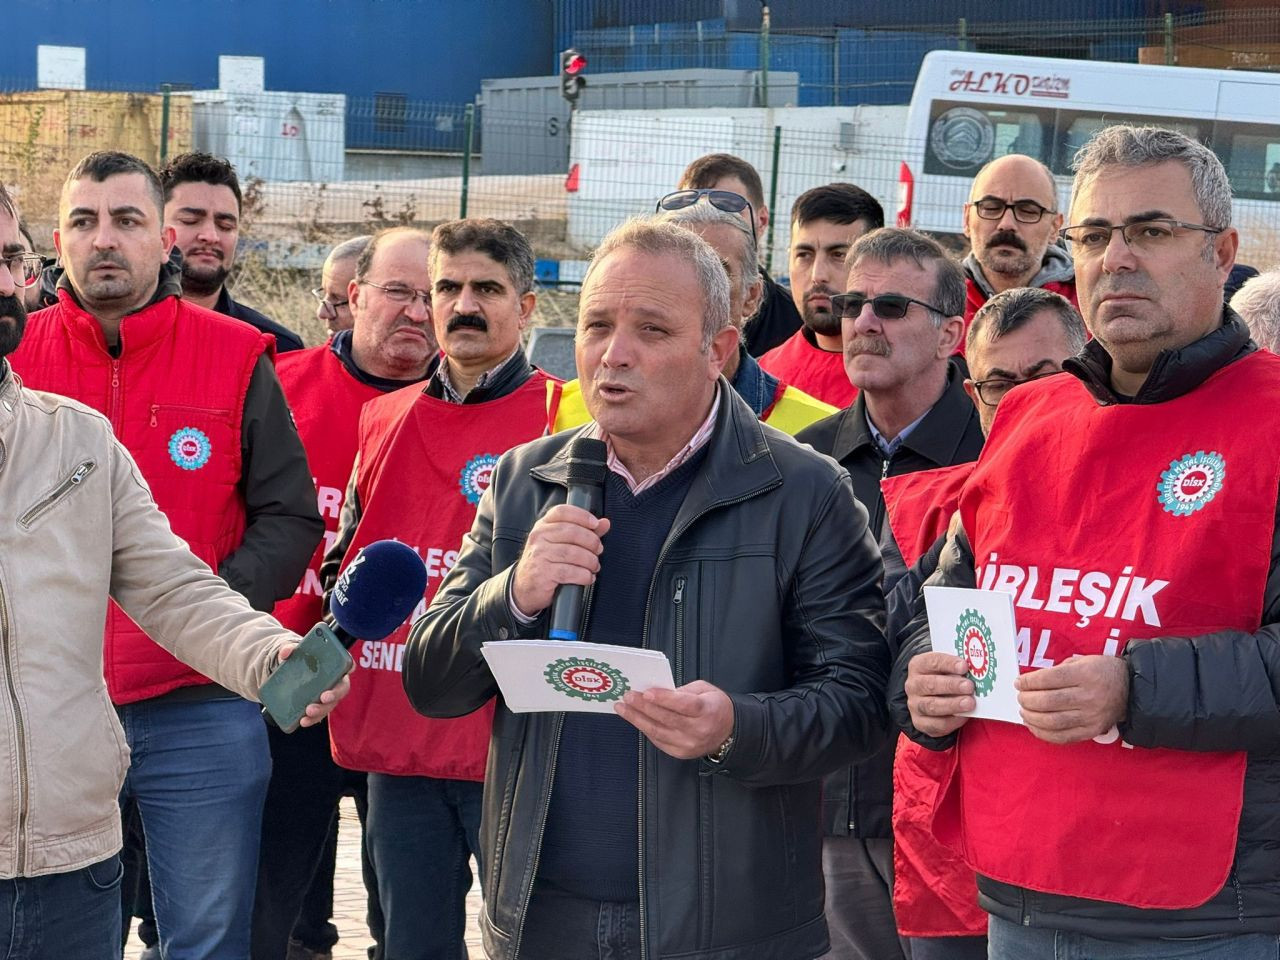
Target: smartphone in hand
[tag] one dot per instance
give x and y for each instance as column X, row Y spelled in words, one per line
column 317, row 663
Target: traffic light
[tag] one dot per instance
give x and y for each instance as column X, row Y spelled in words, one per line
column 572, row 65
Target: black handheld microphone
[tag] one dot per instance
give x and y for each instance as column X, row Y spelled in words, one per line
column 586, row 490
column 378, row 589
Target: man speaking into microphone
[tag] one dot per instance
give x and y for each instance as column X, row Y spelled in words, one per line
column 738, row 553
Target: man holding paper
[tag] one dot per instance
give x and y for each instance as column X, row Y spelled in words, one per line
column 1134, row 523
column 699, row 837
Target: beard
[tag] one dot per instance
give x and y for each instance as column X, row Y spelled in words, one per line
column 820, row 319
column 997, row 258
column 203, row 281
column 13, row 320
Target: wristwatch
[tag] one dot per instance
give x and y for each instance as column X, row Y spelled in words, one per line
column 722, row 751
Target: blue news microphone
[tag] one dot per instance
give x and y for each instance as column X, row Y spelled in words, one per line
column 378, row 589
column 586, row 490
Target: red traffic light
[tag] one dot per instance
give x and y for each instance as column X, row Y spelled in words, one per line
column 575, row 64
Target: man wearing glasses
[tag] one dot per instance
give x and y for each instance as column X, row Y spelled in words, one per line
column 423, row 462
column 202, row 204
column 1012, row 222
column 1145, row 479
column 333, row 307
column 194, row 397
column 733, row 185
column 901, row 323
column 390, row 345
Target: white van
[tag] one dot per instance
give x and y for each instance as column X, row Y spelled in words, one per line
column 971, row 107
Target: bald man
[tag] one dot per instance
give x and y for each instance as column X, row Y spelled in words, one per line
column 1012, row 223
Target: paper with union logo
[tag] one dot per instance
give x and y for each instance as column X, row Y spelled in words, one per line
column 537, row 675
column 979, row 625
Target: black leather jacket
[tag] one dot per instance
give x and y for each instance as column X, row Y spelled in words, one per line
column 779, row 606
column 1218, row 691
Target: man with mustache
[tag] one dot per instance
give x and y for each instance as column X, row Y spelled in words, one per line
column 1138, row 799
column 424, row 458
column 390, row 345
column 194, row 397
column 825, row 221
column 1012, row 222
column 901, row 322
column 202, row 204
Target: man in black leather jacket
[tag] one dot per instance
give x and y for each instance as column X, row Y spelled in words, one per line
column 1187, row 686
column 738, row 553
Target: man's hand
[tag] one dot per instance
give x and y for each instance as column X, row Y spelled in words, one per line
column 689, row 722
column 563, row 547
column 1074, row 701
column 328, row 700
column 937, row 692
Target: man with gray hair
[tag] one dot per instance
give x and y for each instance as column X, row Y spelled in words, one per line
column 697, row 838
column 1258, row 303
column 902, row 319
column 333, row 307
column 1131, row 510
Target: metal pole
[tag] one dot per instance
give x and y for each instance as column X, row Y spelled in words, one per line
column 1170, row 51
column 964, row 34
column 773, row 198
column 470, row 123
column 166, row 91
column 764, row 54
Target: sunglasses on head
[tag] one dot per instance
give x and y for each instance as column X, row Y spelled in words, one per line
column 887, row 306
column 725, row 200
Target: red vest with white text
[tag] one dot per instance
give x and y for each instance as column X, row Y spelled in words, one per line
column 326, row 400
column 1112, row 524
column 935, row 893
column 175, row 398
column 819, row 373
column 424, row 464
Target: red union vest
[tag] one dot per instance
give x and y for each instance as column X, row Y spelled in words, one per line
column 175, row 398
column 326, row 400
column 819, row 373
column 935, row 893
column 1107, row 523
column 423, row 465
column 975, row 298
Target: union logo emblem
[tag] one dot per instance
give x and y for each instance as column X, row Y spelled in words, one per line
column 1191, row 482
column 586, row 679
column 975, row 643
column 475, row 476
column 189, row 448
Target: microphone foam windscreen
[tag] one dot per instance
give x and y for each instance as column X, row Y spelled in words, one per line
column 587, row 462
column 379, row 589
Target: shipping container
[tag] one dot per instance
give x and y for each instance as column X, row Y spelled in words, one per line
column 272, row 134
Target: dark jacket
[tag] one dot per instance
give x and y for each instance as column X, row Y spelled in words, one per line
column 775, row 321
column 858, row 801
column 1219, row 691
column 286, row 339
column 781, row 609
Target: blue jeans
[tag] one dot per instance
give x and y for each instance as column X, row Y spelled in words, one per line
column 199, row 775
column 421, row 833
column 1009, row 941
column 560, row 926
column 70, row 916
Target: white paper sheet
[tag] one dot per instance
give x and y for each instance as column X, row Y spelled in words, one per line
column 979, row 625
column 537, row 675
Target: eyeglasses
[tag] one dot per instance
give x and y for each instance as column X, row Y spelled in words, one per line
column 328, row 307
column 24, row 268
column 725, row 200
column 1024, row 211
column 398, row 293
column 887, row 306
column 992, row 390
column 1143, row 236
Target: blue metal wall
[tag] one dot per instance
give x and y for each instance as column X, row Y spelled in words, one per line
column 427, row 50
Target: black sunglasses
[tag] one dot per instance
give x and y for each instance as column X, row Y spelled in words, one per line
column 887, row 306
column 725, row 200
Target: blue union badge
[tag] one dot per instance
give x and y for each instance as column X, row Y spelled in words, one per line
column 474, row 479
column 189, row 448
column 1191, row 482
